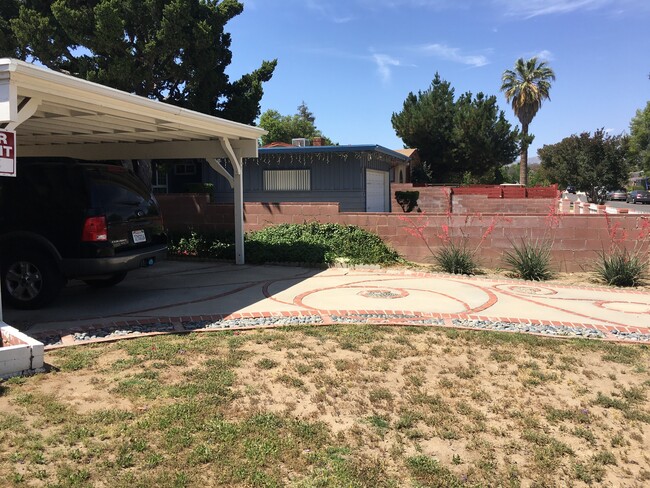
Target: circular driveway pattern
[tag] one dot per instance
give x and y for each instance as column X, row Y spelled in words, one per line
column 385, row 293
column 625, row 307
column 528, row 290
column 194, row 296
column 367, row 293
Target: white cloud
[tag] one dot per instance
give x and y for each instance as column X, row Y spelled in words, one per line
column 453, row 54
column 332, row 13
column 341, row 12
column 431, row 4
column 544, row 55
column 534, row 8
column 384, row 64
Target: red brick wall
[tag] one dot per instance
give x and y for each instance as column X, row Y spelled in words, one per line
column 433, row 199
column 471, row 204
column 577, row 239
column 260, row 215
column 183, row 211
column 10, row 340
column 480, row 199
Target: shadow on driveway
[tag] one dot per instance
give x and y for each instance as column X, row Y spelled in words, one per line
column 170, row 289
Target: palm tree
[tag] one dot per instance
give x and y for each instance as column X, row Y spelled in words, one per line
column 526, row 87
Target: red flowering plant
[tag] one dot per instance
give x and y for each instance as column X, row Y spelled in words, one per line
column 452, row 251
column 619, row 265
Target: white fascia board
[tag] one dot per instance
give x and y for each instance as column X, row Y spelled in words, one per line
column 8, row 100
column 127, row 150
column 86, row 93
column 139, row 150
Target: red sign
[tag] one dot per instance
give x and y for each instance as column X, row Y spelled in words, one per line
column 7, row 153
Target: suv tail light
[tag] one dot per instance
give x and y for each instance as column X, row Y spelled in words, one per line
column 95, row 230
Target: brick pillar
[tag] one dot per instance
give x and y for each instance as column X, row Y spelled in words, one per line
column 565, row 205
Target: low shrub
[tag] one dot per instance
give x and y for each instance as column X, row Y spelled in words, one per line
column 530, row 260
column 456, row 259
column 216, row 245
column 621, row 267
column 199, row 188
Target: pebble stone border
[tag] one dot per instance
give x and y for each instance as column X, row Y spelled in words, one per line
column 384, row 318
column 540, row 329
column 248, row 321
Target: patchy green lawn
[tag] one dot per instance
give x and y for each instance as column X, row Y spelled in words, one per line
column 331, row 406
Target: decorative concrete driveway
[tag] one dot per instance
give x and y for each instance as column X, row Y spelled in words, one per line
column 184, row 296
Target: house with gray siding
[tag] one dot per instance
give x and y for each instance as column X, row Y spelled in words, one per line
column 355, row 176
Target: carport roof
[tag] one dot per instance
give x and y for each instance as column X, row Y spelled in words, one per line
column 55, row 114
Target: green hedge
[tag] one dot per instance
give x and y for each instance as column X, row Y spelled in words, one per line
column 295, row 243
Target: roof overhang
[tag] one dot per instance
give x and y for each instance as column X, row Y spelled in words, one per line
column 58, row 115
column 357, row 148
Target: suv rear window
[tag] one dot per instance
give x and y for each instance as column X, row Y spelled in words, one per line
column 113, row 186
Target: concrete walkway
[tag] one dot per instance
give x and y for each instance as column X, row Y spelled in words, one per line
column 181, row 296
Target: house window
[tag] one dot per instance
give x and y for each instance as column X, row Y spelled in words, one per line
column 185, row 169
column 287, row 180
column 159, row 183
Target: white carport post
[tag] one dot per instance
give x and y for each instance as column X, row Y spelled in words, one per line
column 11, row 116
column 238, row 186
column 8, row 113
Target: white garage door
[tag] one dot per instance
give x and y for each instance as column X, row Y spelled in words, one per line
column 376, row 191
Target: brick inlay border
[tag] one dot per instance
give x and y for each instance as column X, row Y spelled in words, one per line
column 611, row 333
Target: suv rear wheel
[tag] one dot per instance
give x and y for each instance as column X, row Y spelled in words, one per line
column 30, row 280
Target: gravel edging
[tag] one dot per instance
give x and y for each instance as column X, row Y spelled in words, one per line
column 540, row 329
column 185, row 324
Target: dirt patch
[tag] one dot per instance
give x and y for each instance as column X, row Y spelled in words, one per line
column 360, row 403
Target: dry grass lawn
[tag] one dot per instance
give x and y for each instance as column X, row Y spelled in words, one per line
column 332, row 406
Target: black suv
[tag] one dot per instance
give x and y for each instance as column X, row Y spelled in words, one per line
column 70, row 219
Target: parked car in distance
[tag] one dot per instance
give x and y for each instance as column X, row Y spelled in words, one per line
column 617, row 195
column 65, row 219
column 638, row 196
column 570, row 189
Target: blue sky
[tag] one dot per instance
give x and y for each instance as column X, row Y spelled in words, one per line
column 354, row 62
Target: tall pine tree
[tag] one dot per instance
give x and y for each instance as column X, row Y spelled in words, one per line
column 175, row 51
column 456, row 138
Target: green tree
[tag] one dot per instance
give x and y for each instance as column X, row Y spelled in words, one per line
column 640, row 139
column 426, row 122
column 468, row 138
column 590, row 162
column 510, row 173
column 284, row 128
column 175, row 51
column 8, row 42
column 482, row 139
column 526, row 87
